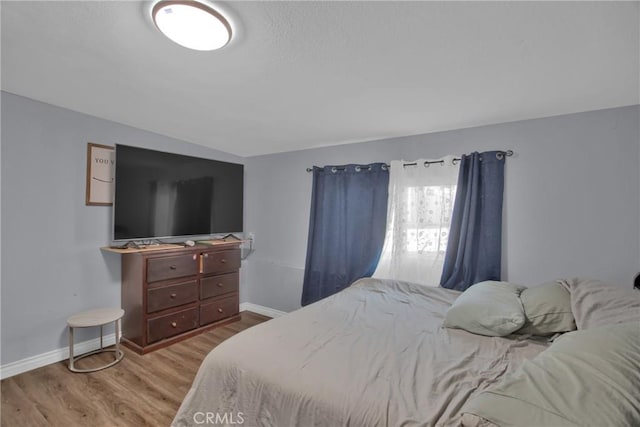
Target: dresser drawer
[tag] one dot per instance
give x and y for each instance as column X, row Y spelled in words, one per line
column 171, row 296
column 219, row 309
column 171, row 324
column 220, row 262
column 218, row 285
column 166, row 268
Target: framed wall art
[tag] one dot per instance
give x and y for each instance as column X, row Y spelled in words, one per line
column 100, row 174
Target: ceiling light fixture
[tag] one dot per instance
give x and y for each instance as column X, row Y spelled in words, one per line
column 192, row 24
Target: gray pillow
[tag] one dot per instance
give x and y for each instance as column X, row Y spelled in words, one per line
column 547, row 309
column 595, row 303
column 585, row 377
column 487, row 308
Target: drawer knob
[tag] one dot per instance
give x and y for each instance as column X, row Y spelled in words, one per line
column 173, row 267
column 224, row 261
column 174, row 324
column 173, row 295
column 219, row 310
column 220, row 285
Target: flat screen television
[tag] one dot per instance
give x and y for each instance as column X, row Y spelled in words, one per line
column 163, row 195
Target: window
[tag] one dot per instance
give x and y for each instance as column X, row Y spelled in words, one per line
column 418, row 221
column 428, row 210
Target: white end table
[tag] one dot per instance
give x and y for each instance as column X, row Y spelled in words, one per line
column 94, row 318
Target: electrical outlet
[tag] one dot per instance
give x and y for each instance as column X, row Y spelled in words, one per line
column 252, row 236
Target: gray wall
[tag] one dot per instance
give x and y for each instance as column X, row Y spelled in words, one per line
column 571, row 199
column 572, row 205
column 51, row 263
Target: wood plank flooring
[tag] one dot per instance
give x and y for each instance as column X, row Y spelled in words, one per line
column 139, row 391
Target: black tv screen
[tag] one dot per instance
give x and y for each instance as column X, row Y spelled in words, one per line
column 160, row 195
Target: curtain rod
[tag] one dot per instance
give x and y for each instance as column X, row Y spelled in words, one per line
column 499, row 155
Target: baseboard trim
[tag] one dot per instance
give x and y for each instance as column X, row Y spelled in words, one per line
column 53, row 356
column 260, row 309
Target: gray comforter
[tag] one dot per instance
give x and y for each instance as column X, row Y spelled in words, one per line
column 375, row 354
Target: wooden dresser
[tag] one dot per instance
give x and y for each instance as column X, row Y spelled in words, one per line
column 170, row 295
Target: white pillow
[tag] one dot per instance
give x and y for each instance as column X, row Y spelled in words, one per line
column 595, row 303
column 488, row 308
column 547, row 309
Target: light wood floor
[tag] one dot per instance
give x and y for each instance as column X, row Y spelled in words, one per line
column 139, row 391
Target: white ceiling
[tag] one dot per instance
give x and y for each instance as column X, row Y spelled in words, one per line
column 310, row 74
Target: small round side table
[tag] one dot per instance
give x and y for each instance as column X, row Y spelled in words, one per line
column 94, row 318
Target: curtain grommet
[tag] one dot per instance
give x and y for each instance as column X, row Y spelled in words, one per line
column 334, row 169
column 358, row 168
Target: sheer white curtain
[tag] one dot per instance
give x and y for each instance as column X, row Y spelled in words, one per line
column 418, row 218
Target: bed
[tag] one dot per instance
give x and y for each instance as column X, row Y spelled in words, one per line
column 374, row 354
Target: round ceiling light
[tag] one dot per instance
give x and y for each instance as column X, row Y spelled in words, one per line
column 192, row 24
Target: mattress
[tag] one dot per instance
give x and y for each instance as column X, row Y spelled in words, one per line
column 374, row 354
